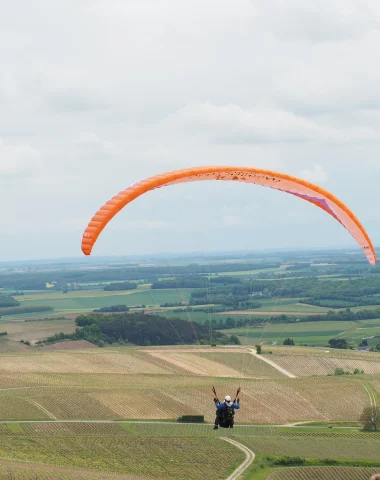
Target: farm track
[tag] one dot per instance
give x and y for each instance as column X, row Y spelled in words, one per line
column 249, row 458
column 280, row 369
column 25, row 388
column 49, row 414
column 371, row 395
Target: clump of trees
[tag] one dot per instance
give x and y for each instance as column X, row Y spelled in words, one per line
column 341, row 371
column 112, row 309
column 140, row 329
column 7, row 301
column 167, row 304
column 288, row 341
column 341, row 343
column 371, row 417
column 29, row 309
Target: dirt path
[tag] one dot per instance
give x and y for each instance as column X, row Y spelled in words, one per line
column 280, row 369
column 371, row 394
column 23, row 388
column 44, row 410
column 249, row 457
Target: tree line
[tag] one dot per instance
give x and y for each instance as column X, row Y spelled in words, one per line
column 342, row 315
column 26, row 309
column 112, row 308
column 120, row 286
column 38, row 280
column 312, row 288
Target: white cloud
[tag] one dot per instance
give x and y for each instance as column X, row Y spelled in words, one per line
column 233, row 221
column 322, row 21
column 91, row 140
column 315, row 174
column 234, row 124
column 143, row 225
column 19, row 160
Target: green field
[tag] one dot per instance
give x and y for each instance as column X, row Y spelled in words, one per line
column 175, row 451
column 278, row 306
column 87, row 300
column 323, row 473
column 319, row 445
column 310, row 333
column 113, row 449
column 42, row 388
column 84, row 301
column 34, row 471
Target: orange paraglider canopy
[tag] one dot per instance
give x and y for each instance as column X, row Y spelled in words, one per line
column 279, row 181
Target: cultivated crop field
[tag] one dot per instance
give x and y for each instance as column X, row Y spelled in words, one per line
column 175, row 458
column 310, row 333
column 27, row 471
column 304, row 361
column 290, row 308
column 180, row 451
column 246, row 364
column 20, row 330
column 108, row 384
column 304, row 365
column 308, row 446
column 77, row 361
column 321, row 351
column 323, row 473
column 11, row 346
column 50, row 395
column 88, row 300
column 228, row 362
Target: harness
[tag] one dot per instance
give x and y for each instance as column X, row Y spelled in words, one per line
column 229, row 412
column 226, row 413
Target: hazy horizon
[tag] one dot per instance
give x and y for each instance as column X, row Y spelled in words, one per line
column 97, row 259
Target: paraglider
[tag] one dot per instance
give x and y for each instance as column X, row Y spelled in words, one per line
column 278, row 181
column 225, row 412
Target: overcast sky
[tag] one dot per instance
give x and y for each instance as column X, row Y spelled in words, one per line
column 98, row 94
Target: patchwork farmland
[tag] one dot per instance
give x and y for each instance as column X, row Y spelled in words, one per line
column 70, row 408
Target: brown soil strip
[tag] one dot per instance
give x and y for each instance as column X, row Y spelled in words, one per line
column 74, row 345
